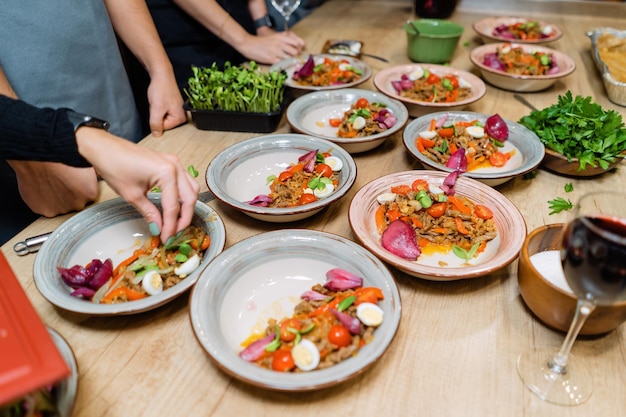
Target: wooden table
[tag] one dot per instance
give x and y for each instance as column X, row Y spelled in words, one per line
column 456, row 348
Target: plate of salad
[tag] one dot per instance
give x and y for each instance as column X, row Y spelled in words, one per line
column 316, row 72
column 436, row 229
column 336, row 306
column 521, row 67
column 105, row 262
column 358, row 120
column 517, row 29
column 492, row 150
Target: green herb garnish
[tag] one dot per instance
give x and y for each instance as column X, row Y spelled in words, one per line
column 559, row 204
column 569, row 187
column 192, row 171
column 465, row 254
column 345, row 303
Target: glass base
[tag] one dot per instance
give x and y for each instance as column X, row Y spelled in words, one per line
column 571, row 385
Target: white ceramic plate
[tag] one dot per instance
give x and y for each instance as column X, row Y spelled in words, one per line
column 383, row 79
column 499, row 252
column 239, row 173
column 291, row 65
column 112, row 229
column 529, row 151
column 310, row 114
column 67, row 388
column 521, row 83
column 485, row 28
column 264, row 276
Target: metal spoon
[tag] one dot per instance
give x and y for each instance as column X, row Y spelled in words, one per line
column 412, row 24
column 524, row 102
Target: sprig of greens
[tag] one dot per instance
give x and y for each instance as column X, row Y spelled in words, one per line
column 579, row 128
column 558, row 205
column 236, row 88
column 464, row 253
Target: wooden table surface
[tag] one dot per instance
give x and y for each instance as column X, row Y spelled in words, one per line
column 456, row 348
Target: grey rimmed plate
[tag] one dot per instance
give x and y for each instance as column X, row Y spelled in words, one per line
column 263, row 277
column 239, row 173
column 528, row 151
column 112, row 229
column 310, row 114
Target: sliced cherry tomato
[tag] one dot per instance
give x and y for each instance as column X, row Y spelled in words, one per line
column 432, row 79
column 306, row 199
column 402, row 189
column 338, row 335
column 437, row 210
column 284, row 176
column 334, row 122
column 498, row 159
column 483, row 212
column 324, row 169
column 453, row 80
column 286, row 334
column 419, row 184
column 361, row 103
column 282, row 361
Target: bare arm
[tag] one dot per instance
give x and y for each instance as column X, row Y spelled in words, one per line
column 133, row 23
column 268, row 47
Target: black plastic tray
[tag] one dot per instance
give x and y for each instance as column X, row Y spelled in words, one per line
column 233, row 121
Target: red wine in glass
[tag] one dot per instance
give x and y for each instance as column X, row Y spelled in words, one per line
column 594, row 258
column 434, row 9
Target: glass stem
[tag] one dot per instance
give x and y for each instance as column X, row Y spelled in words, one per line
column 558, row 363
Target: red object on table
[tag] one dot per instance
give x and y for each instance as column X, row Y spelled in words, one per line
column 29, row 359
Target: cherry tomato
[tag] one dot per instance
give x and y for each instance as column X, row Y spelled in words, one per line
column 432, row 79
column 285, row 334
column 284, row 176
column 453, row 80
column 498, row 159
column 483, row 212
column 324, row 169
column 338, row 335
column 361, row 103
column 334, row 122
column 419, row 184
column 437, row 210
column 306, row 199
column 282, row 361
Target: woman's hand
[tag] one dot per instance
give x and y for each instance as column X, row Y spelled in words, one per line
column 132, row 170
column 270, row 47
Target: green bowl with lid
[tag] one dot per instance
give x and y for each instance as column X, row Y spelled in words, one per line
column 436, row 42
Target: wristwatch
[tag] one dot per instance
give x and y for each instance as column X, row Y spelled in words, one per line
column 263, row 21
column 80, row 119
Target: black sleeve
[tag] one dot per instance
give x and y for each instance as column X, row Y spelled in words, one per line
column 29, row 133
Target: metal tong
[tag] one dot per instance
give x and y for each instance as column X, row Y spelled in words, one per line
column 31, row 244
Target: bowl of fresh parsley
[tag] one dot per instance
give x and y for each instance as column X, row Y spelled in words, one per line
column 582, row 139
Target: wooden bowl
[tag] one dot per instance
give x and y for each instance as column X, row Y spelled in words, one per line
column 552, row 304
column 558, row 163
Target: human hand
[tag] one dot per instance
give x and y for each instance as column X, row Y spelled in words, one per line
column 51, row 188
column 132, row 170
column 270, row 47
column 166, row 104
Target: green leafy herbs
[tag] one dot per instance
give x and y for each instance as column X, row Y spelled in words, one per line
column 192, row 171
column 559, row 204
column 579, row 128
column 569, row 187
column 236, row 88
column 464, row 253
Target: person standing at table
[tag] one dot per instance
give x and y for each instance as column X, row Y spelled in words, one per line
column 28, row 133
column 64, row 53
column 203, row 32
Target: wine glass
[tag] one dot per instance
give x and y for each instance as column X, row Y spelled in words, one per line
column 286, row 8
column 593, row 256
